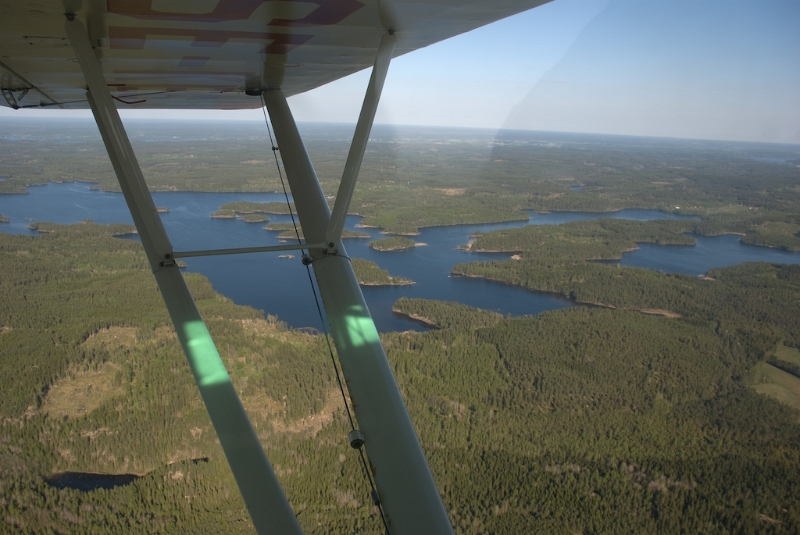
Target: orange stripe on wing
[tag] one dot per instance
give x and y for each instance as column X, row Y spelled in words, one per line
column 133, row 38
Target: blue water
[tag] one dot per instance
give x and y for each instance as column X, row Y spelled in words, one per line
column 87, row 482
column 557, row 218
column 709, row 252
column 281, row 287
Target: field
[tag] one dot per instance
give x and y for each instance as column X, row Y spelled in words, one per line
column 788, row 354
column 777, row 384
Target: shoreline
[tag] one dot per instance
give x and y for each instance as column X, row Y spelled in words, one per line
column 649, row 311
column 407, row 283
column 417, row 318
column 391, row 250
column 95, row 186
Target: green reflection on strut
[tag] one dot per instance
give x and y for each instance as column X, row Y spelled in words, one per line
column 203, row 355
column 360, row 327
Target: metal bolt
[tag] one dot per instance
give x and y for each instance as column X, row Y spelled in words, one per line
column 356, row 439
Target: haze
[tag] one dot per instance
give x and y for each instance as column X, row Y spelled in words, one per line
column 708, row 69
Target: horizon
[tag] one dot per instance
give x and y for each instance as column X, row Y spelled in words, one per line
column 674, row 69
column 89, row 120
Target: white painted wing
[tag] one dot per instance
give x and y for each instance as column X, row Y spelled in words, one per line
column 205, row 54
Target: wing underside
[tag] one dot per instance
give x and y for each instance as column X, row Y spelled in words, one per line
column 205, row 54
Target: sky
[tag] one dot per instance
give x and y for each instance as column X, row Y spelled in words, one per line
column 703, row 69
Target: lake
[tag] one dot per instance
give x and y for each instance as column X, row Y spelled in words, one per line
column 87, row 481
column 280, row 286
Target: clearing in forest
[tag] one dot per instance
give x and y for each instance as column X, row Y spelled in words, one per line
column 777, row 384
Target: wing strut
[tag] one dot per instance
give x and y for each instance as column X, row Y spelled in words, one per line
column 265, row 500
column 360, row 138
column 406, row 487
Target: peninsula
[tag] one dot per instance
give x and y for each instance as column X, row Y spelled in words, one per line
column 394, row 243
column 369, row 273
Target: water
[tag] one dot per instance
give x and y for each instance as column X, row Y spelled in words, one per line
column 775, row 159
column 557, row 218
column 709, row 252
column 281, row 286
column 87, row 482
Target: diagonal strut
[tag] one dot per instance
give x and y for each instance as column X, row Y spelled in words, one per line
column 263, row 496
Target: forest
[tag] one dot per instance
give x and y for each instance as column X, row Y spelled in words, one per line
column 414, row 177
column 665, row 404
column 561, row 259
column 291, row 231
column 252, row 212
column 393, row 243
column 592, row 419
column 369, row 273
column 445, row 314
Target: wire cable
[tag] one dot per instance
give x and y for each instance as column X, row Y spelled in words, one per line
column 365, row 468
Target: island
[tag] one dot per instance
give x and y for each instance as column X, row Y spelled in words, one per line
column 368, row 273
column 246, row 217
column 394, row 243
column 224, row 214
column 246, row 207
column 255, row 218
column 251, row 212
column 350, row 234
column 287, row 231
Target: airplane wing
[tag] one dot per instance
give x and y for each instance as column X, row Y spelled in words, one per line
column 205, row 54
